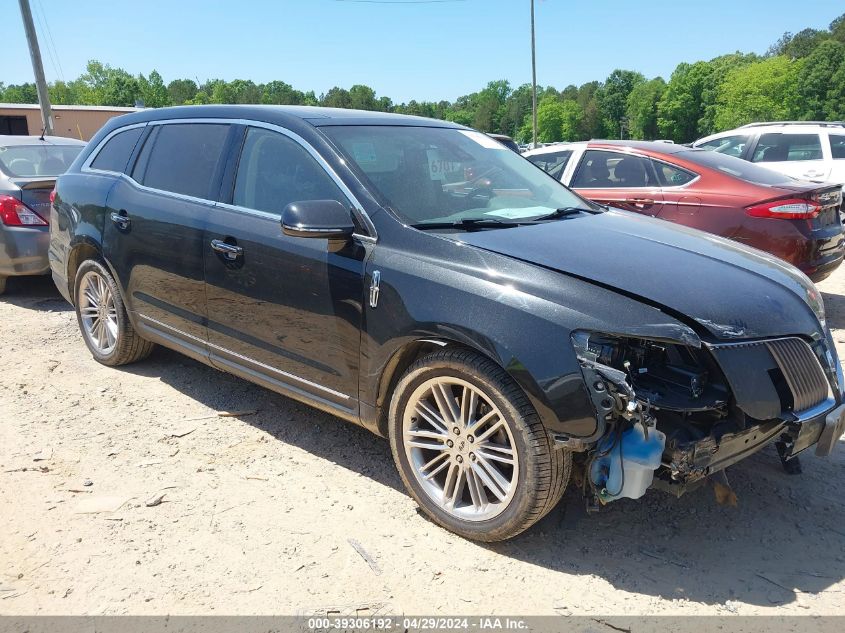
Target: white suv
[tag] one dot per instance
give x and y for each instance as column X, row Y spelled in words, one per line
column 808, row 150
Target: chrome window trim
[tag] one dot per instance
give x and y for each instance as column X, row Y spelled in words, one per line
column 357, row 207
column 648, row 188
column 246, row 358
column 86, row 166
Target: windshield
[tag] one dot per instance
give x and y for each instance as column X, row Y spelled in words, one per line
column 735, row 167
column 28, row 161
column 441, row 175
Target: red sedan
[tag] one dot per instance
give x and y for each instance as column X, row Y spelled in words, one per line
column 796, row 220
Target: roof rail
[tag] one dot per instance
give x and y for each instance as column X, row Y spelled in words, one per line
column 819, row 123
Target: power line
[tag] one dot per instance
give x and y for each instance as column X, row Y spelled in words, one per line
column 401, row 1
column 50, row 45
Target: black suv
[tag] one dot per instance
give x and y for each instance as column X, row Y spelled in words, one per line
column 418, row 278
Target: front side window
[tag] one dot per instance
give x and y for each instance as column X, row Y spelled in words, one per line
column 730, row 145
column 553, row 162
column 777, row 148
column 444, row 175
column 275, row 170
column 116, row 152
column 31, row 161
column 604, row 170
column 183, row 158
column 837, row 146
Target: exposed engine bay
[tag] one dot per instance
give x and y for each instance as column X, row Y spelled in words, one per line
column 669, row 415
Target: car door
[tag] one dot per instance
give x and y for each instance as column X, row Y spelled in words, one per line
column 284, row 311
column 155, row 222
column 799, row 155
column 618, row 179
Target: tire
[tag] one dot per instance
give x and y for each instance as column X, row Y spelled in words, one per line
column 98, row 300
column 506, row 428
column 2, row 284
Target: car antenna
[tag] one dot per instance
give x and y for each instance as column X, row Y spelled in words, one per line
column 43, row 129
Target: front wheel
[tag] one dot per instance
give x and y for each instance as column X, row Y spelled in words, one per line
column 471, row 449
column 102, row 318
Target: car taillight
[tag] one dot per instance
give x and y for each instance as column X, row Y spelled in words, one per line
column 794, row 209
column 13, row 212
column 52, row 196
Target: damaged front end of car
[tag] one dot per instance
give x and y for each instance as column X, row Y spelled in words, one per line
column 672, row 414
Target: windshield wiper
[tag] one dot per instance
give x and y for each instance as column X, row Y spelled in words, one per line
column 468, row 224
column 563, row 212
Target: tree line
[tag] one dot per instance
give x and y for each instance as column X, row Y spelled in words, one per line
column 801, row 77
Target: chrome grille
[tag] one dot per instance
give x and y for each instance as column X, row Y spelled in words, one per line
column 799, row 365
column 802, row 371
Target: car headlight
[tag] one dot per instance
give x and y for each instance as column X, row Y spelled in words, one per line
column 816, row 303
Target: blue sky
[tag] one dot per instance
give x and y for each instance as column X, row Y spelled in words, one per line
column 431, row 51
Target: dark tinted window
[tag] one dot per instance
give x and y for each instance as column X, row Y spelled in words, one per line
column 730, row 145
column 672, row 176
column 274, row 171
column 603, row 170
column 116, row 152
column 775, row 148
column 735, row 167
column 837, row 145
column 554, row 162
column 183, row 158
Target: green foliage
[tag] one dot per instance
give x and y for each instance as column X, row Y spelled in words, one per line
column 642, row 109
column 801, row 77
column 182, row 91
column 816, row 79
column 613, row 99
column 761, row 91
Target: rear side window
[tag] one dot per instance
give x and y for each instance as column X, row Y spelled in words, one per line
column 116, row 152
column 730, row 145
column 603, row 170
column 275, row 170
column 837, row 146
column 554, row 162
column 672, row 176
column 776, row 148
column 183, row 158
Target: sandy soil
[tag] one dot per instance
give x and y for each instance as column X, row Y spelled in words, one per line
column 291, row 511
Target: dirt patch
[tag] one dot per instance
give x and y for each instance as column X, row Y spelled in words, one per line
column 123, row 492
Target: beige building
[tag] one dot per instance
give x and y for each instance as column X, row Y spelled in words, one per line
column 75, row 121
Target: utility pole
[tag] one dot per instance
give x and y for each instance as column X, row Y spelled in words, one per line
column 37, row 67
column 533, row 80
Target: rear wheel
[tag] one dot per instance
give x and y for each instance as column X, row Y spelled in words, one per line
column 102, row 318
column 471, row 449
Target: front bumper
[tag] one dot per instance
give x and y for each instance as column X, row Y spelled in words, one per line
column 23, row 250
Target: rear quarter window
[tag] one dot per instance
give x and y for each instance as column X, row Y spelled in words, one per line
column 115, row 154
column 837, row 146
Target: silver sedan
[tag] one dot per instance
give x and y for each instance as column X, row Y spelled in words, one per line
column 29, row 166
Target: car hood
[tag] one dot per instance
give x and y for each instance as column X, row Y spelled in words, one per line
column 731, row 291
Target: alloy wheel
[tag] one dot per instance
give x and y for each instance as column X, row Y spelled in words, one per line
column 460, row 448
column 98, row 312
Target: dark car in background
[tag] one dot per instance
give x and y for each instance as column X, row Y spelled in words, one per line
column 799, row 221
column 420, row 279
column 28, row 169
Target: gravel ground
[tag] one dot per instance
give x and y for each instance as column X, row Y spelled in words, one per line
column 290, row 511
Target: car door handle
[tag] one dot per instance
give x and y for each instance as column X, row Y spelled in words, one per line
column 812, row 174
column 231, row 251
column 121, row 219
column 643, row 201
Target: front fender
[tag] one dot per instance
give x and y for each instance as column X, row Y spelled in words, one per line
column 512, row 317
